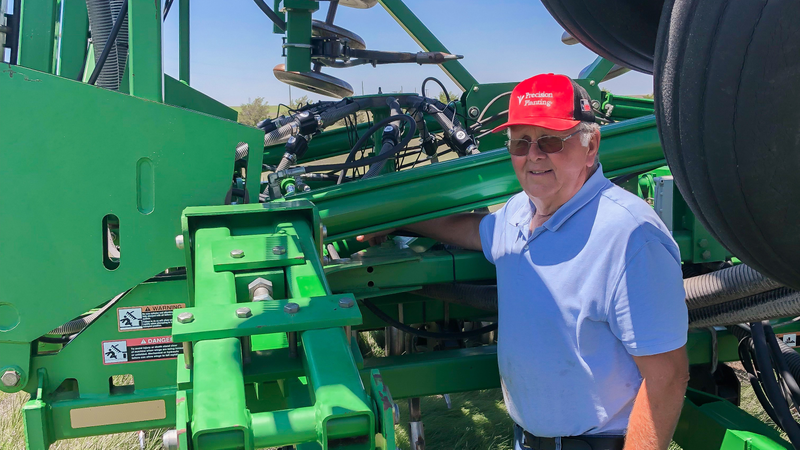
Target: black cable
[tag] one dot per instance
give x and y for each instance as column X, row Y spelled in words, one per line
column 444, row 89
column 85, row 60
column 369, row 161
column 780, row 362
column 771, row 386
column 426, row 334
column 745, row 348
column 167, row 6
column 112, row 38
column 276, row 19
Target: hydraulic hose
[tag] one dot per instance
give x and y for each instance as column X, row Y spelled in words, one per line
column 284, row 131
column 482, row 297
column 726, row 285
column 77, row 325
column 412, row 128
column 782, row 302
column 771, row 386
column 388, row 144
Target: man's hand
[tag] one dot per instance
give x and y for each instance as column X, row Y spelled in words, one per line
column 660, row 399
column 375, row 238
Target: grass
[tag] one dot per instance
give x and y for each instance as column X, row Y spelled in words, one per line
column 476, row 421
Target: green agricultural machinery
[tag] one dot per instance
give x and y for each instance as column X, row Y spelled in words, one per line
column 214, row 265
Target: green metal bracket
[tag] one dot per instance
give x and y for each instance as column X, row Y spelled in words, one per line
column 384, row 406
column 37, row 34
column 144, row 66
column 221, row 321
column 256, row 252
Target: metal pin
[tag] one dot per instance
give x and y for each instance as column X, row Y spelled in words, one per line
column 292, row 338
column 246, row 349
column 187, row 354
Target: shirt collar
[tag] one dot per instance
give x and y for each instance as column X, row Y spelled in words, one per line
column 593, row 186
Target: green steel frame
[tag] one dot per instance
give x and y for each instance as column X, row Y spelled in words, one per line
column 156, row 160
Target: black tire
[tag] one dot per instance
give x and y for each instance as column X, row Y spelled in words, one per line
column 727, row 88
column 622, row 31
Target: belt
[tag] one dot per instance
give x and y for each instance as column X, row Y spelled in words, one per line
column 575, row 442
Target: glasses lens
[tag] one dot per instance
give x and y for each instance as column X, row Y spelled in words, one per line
column 518, row 147
column 550, row 144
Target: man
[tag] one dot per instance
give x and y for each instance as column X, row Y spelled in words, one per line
column 592, row 319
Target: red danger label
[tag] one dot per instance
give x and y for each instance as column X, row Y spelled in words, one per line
column 140, row 349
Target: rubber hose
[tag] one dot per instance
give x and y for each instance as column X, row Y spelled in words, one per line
column 375, row 169
column 332, row 116
column 102, row 15
column 782, row 302
column 74, row 326
column 279, row 136
column 726, row 285
column 789, row 354
column 284, row 164
column 482, row 297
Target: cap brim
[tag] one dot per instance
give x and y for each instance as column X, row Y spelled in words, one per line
column 550, row 123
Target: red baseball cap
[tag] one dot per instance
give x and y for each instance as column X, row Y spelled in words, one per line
column 555, row 102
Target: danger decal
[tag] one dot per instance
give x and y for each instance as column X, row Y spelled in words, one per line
column 146, row 317
column 140, row 349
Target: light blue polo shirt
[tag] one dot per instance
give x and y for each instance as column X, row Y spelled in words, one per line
column 598, row 282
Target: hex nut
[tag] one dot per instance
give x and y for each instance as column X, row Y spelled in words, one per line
column 10, row 378
column 243, row 313
column 473, row 112
column 346, row 302
column 179, row 241
column 260, row 289
column 706, row 254
column 185, row 317
column 278, row 250
column 237, row 253
column 291, row 308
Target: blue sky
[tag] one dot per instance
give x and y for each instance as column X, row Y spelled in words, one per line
column 234, row 50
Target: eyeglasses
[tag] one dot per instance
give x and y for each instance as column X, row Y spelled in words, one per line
column 547, row 144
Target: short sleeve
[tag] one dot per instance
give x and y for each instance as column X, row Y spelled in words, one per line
column 647, row 311
column 486, row 230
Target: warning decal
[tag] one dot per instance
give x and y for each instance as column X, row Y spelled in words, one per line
column 789, row 339
column 140, row 349
column 146, row 317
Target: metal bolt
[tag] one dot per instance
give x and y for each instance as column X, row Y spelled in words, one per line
column 278, row 250
column 185, row 317
column 291, row 308
column 595, row 104
column 179, row 241
column 475, row 89
column 706, row 254
column 473, row 112
column 592, row 83
column 346, row 302
column 237, row 254
column 10, row 378
column 260, row 290
column 703, row 243
column 243, row 313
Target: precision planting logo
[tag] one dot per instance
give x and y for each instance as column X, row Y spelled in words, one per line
column 536, row 99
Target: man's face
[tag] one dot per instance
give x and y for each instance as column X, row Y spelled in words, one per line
column 553, row 177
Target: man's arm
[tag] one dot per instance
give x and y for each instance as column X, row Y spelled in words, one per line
column 461, row 229
column 658, row 404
